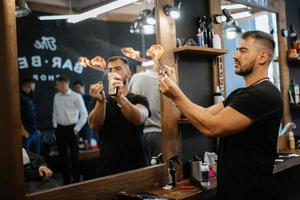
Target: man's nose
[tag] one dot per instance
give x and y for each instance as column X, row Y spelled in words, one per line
column 236, row 55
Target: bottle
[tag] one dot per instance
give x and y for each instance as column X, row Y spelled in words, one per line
column 172, row 174
column 292, row 140
column 205, row 180
column 218, row 97
column 216, row 41
column 296, row 93
column 200, row 38
column 292, row 91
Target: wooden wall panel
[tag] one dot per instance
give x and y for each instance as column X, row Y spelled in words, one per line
column 104, row 188
column 11, row 167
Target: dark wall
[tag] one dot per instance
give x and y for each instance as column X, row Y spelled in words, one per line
column 88, row 38
column 195, row 77
column 293, row 17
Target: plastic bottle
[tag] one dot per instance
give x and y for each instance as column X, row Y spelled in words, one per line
column 292, row 91
column 172, row 174
column 292, row 140
column 205, row 179
column 200, row 38
column 218, row 97
column 217, row 41
column 297, row 93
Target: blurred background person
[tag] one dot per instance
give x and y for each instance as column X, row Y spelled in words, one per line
column 146, row 84
column 69, row 116
column 28, row 116
column 86, row 133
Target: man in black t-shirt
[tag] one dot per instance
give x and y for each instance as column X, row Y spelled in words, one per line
column 247, row 122
column 119, row 121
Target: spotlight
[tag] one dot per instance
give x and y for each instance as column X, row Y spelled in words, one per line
column 232, row 31
column 150, row 19
column 226, row 13
column 22, row 9
column 173, row 12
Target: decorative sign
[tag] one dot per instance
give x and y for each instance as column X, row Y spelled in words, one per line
column 56, row 62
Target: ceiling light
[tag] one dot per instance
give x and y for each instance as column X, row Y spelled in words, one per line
column 148, row 29
column 173, row 12
column 22, row 9
column 55, row 17
column 150, row 19
column 100, row 10
column 232, row 31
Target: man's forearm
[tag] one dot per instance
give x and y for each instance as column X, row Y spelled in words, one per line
column 199, row 116
column 131, row 112
column 97, row 116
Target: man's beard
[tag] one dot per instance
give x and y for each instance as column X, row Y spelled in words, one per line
column 246, row 70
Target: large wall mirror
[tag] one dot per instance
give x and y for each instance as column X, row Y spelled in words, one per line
column 50, row 50
column 247, row 18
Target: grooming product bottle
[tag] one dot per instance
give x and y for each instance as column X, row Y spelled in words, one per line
column 297, row 93
column 216, row 41
column 172, row 174
column 218, row 97
column 292, row 140
column 200, row 38
column 205, row 180
column 292, row 92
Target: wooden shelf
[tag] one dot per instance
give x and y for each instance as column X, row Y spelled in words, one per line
column 201, row 50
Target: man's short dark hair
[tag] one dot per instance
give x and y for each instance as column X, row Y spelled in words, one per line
column 27, row 80
column 78, row 83
column 263, row 37
column 62, row 79
column 114, row 58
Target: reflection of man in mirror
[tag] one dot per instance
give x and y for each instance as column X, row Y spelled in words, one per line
column 146, row 84
column 69, row 116
column 246, row 122
column 28, row 115
column 119, row 121
column 86, row 133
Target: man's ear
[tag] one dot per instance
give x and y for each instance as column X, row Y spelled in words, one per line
column 263, row 58
column 129, row 72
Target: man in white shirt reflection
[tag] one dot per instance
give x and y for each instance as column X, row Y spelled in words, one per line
column 69, row 116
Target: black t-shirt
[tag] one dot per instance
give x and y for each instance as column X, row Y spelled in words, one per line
column 246, row 159
column 28, row 112
column 122, row 147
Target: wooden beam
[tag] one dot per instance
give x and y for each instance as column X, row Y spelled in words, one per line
column 283, row 66
column 166, row 36
column 104, row 188
column 11, row 167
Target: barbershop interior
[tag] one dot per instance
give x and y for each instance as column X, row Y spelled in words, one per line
column 150, row 99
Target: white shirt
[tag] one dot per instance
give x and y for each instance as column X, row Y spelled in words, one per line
column 69, row 109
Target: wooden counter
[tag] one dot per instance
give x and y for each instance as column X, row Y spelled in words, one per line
column 196, row 193
column 193, row 193
column 289, row 162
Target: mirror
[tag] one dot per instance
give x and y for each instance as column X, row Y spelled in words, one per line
column 246, row 19
column 52, row 115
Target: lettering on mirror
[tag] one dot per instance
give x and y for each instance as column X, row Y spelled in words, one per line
column 49, row 61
